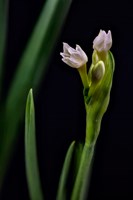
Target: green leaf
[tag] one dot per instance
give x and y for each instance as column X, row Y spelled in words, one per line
column 76, row 159
column 32, row 170
column 3, row 31
column 61, row 194
column 37, row 53
column 31, row 67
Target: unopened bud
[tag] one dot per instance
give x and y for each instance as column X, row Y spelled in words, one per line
column 98, row 71
column 103, row 42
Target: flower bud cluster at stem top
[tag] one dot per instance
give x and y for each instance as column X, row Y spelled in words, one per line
column 97, row 81
column 77, row 58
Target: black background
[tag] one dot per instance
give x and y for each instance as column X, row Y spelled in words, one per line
column 60, row 114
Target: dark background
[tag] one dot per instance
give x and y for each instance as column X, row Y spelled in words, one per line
column 60, row 113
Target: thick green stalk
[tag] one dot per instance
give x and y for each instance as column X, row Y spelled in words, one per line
column 92, row 129
column 81, row 183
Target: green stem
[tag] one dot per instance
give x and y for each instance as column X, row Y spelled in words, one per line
column 84, row 77
column 93, row 124
column 82, row 180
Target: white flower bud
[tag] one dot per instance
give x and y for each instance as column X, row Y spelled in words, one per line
column 98, row 71
column 103, row 42
column 73, row 57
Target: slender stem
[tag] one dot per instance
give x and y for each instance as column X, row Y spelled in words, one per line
column 84, row 77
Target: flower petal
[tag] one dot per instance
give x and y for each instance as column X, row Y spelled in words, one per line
column 70, row 62
column 81, row 53
column 108, row 40
column 71, row 50
column 65, row 47
column 64, row 55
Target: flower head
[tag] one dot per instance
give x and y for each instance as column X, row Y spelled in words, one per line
column 73, row 57
column 103, row 42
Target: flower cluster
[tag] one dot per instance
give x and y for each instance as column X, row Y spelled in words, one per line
column 77, row 58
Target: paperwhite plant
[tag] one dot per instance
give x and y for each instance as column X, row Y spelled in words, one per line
column 103, row 42
column 97, row 83
column 75, row 58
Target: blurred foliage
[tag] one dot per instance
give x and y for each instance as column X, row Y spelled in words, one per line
column 32, row 66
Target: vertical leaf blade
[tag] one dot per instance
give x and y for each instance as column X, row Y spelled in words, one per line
column 36, row 55
column 32, row 170
column 61, row 194
column 3, row 29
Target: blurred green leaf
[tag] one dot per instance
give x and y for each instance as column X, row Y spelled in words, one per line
column 32, row 170
column 35, row 58
column 3, row 31
column 30, row 69
column 61, row 194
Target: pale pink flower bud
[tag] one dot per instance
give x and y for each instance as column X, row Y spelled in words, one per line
column 73, row 57
column 103, row 42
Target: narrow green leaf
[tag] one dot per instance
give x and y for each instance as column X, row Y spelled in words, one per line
column 77, row 158
column 30, row 69
column 61, row 194
column 37, row 53
column 32, row 170
column 3, row 30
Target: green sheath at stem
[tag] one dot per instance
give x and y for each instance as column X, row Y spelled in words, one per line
column 79, row 192
column 82, row 180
